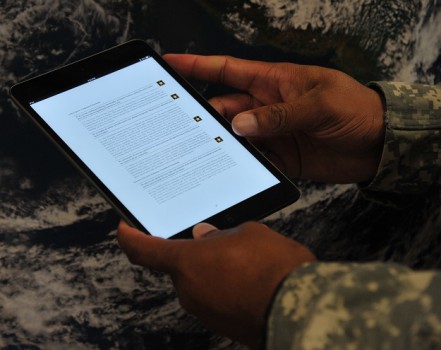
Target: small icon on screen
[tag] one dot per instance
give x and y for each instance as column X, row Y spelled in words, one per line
column 218, row 139
column 160, row 82
column 175, row 96
column 197, row 119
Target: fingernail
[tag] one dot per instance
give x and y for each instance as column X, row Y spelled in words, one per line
column 245, row 124
column 201, row 229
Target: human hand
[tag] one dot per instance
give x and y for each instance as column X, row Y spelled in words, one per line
column 226, row 278
column 311, row 122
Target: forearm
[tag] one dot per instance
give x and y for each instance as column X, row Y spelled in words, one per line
column 411, row 158
column 356, row 306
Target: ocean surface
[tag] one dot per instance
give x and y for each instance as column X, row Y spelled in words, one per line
column 63, row 280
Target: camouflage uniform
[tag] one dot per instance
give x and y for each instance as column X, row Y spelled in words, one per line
column 373, row 305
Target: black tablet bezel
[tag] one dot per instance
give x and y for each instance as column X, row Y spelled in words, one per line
column 108, row 61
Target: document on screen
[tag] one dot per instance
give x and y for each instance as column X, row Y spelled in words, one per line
column 167, row 159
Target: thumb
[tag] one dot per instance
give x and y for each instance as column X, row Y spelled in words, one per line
column 203, row 230
column 276, row 119
column 145, row 250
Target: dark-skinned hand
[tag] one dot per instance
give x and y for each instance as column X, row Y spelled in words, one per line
column 226, row 278
column 311, row 122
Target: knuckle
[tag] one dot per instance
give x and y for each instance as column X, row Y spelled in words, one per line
column 277, row 118
column 222, row 78
column 327, row 103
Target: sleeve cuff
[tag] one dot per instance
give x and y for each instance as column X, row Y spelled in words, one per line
column 356, row 306
column 291, row 306
column 411, row 158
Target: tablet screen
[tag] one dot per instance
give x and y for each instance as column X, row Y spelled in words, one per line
column 161, row 153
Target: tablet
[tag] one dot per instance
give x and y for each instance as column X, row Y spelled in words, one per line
column 153, row 147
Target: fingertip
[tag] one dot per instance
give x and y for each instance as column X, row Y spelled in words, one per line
column 126, row 234
column 217, row 104
column 170, row 57
column 202, row 229
column 124, row 228
column 145, row 250
column 182, row 63
column 245, row 124
column 122, row 225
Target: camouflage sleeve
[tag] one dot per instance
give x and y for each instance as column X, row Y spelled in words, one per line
column 411, row 159
column 356, row 306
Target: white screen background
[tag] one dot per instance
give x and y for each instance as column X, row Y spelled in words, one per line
column 157, row 149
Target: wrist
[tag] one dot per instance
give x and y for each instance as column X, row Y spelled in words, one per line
column 378, row 129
